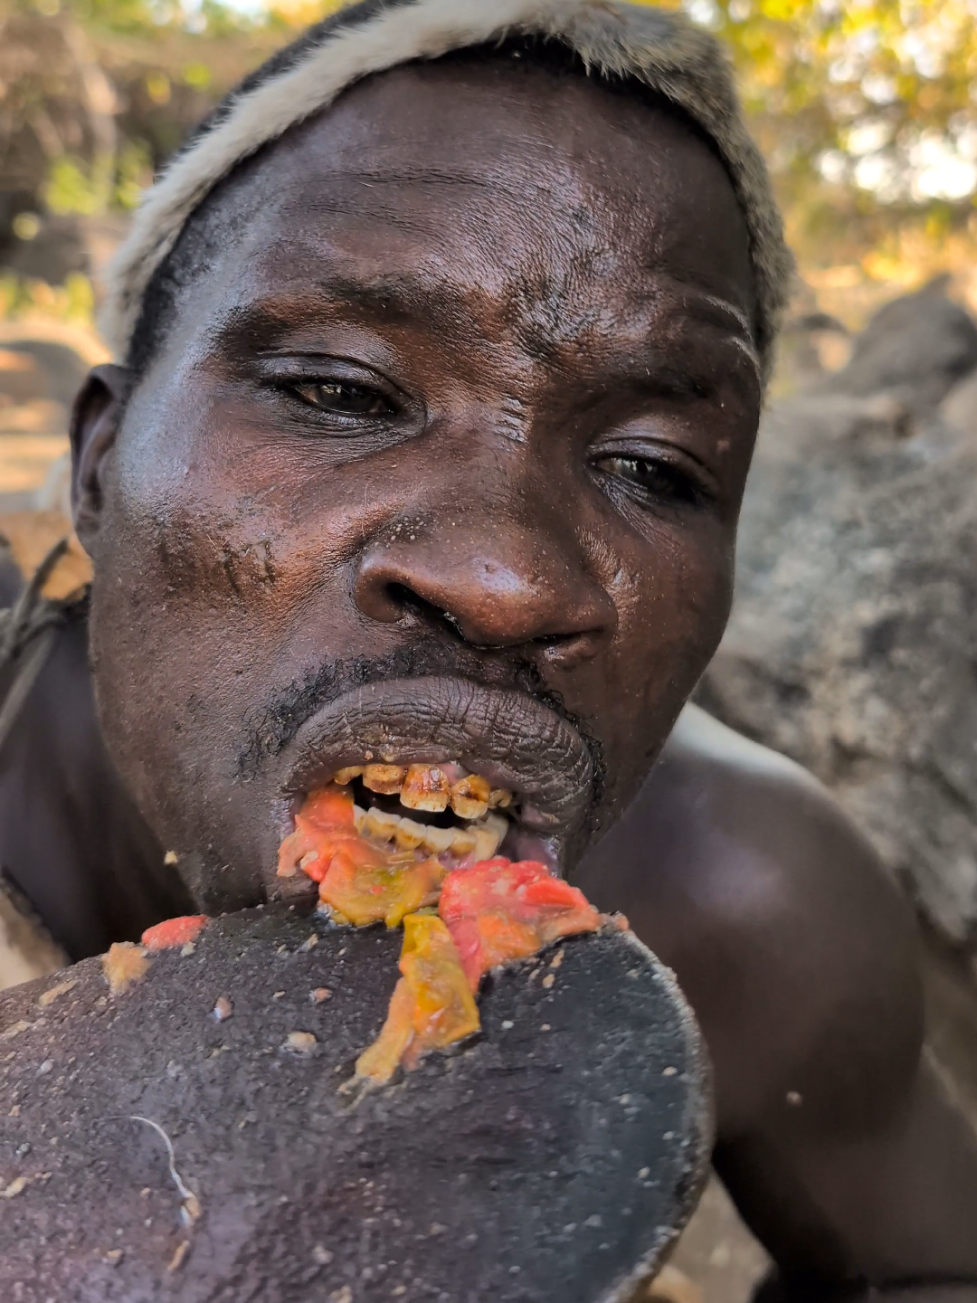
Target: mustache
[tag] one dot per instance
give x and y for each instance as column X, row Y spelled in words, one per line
column 274, row 725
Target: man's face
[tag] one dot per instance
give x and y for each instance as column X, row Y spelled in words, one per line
column 441, row 460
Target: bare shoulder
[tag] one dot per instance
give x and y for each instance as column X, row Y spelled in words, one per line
column 799, row 956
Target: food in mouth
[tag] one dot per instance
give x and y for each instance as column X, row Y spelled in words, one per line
column 374, row 865
column 464, row 910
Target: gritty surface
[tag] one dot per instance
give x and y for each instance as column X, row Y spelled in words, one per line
column 548, row 1159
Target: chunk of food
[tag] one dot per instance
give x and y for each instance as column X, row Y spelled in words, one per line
column 432, row 1006
column 498, row 911
column 375, row 866
column 174, row 932
column 124, row 964
column 360, row 881
column 325, row 819
column 370, row 886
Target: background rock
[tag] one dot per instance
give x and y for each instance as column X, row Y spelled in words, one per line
column 853, row 641
column 915, row 348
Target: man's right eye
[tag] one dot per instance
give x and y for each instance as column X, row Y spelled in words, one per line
column 340, row 398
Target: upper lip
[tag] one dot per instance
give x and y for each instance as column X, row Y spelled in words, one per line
column 507, row 736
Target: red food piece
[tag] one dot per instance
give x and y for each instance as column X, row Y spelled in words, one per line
column 324, row 823
column 174, row 932
column 329, row 807
column 498, row 911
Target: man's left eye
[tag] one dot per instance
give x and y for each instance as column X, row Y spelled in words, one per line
column 340, row 398
column 654, row 478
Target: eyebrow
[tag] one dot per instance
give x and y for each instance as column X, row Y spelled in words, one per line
column 406, row 298
column 400, row 298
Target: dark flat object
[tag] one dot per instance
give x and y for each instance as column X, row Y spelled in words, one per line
column 555, row 1157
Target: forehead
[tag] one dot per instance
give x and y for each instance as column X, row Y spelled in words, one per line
column 536, row 189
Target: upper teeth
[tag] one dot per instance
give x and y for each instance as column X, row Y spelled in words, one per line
column 430, row 787
column 425, row 787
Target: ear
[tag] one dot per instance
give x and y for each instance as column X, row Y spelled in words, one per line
column 95, row 421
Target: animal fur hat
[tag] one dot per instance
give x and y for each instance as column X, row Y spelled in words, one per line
column 656, row 47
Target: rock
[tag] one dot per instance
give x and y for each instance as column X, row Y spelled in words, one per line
column 959, row 409
column 916, row 348
column 853, row 641
column 811, row 344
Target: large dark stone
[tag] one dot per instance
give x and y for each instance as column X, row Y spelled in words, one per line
column 853, row 641
column 915, row 348
column 553, row 1158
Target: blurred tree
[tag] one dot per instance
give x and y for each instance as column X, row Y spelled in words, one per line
column 866, row 109
column 94, row 97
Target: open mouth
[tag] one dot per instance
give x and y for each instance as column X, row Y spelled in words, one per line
column 452, row 814
column 442, row 767
column 455, row 821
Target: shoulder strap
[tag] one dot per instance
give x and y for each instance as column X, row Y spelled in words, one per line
column 28, row 632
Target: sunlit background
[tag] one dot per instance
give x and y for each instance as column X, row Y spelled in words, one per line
column 867, row 111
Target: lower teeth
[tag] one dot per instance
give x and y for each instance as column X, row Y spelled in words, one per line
column 481, row 839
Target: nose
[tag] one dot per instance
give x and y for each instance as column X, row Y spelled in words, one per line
column 499, row 585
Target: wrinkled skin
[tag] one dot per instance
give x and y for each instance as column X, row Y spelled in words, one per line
column 525, row 290
column 598, row 306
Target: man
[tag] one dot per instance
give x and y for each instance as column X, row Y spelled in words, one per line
column 444, row 359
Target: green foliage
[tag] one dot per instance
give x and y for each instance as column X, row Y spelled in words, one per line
column 22, row 297
column 72, row 188
column 90, row 188
column 865, row 109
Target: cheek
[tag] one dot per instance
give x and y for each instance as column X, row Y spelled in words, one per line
column 678, row 598
column 672, row 589
column 207, row 512
column 672, row 597
column 200, row 578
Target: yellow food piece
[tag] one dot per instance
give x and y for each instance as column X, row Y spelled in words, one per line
column 432, row 1005
column 380, row 892
column 124, row 964
column 380, row 1061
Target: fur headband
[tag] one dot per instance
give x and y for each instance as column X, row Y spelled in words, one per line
column 656, row 47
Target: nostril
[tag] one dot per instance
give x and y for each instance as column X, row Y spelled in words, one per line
column 400, row 595
column 566, row 650
column 408, row 603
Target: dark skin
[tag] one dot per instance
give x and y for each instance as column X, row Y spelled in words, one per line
column 484, row 384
